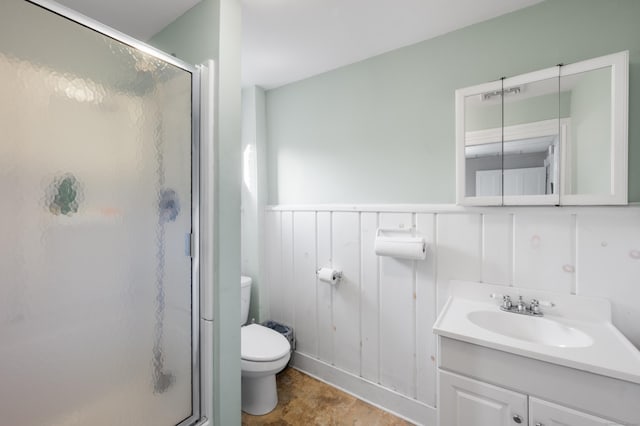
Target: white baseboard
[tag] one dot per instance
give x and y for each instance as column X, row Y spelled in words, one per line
column 383, row 398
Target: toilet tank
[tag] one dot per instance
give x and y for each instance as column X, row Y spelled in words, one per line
column 245, row 298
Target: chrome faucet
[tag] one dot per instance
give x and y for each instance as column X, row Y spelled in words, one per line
column 521, row 307
column 534, row 307
column 506, row 303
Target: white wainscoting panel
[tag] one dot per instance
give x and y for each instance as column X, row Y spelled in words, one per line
column 325, row 291
column 287, row 297
column 374, row 327
column 273, row 268
column 304, row 281
column 544, row 251
column 369, row 300
column 459, row 254
column 497, row 250
column 425, row 313
column 609, row 265
column 346, row 294
column 397, row 315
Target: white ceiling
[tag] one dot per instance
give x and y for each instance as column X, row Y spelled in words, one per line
column 140, row 19
column 289, row 40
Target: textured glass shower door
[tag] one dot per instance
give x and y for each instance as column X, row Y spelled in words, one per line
column 98, row 292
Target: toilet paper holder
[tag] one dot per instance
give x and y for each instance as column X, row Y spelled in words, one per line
column 329, row 275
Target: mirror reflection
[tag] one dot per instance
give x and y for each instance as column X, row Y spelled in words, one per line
column 553, row 136
column 588, row 151
column 530, row 166
column 483, row 143
column 527, row 163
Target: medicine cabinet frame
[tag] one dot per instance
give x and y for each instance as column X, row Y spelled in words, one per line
column 618, row 143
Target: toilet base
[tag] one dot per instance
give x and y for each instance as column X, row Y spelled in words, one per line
column 259, row 394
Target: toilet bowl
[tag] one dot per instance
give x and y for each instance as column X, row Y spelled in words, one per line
column 264, row 353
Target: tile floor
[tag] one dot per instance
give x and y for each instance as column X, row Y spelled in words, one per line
column 304, row 400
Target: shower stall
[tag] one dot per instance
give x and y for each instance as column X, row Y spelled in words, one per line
column 99, row 282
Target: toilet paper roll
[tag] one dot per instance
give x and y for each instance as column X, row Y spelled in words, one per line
column 329, row 275
column 402, row 248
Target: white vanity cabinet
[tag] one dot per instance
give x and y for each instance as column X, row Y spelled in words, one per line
column 469, row 402
column 568, row 366
column 464, row 401
column 544, row 413
column 479, row 386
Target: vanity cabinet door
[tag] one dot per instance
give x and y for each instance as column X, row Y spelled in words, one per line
column 545, row 413
column 468, row 402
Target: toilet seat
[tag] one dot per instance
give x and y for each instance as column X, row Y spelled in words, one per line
column 262, row 344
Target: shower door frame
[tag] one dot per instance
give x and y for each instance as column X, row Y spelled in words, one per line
column 91, row 24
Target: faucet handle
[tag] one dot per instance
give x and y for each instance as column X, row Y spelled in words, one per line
column 535, row 304
column 506, row 300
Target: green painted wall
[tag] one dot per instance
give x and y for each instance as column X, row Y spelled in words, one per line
column 212, row 30
column 382, row 130
column 193, row 37
column 254, row 195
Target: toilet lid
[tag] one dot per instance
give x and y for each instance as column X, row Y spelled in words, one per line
column 259, row 343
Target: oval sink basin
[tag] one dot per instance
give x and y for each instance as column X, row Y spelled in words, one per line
column 531, row 329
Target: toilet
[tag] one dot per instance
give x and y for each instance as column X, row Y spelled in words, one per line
column 264, row 353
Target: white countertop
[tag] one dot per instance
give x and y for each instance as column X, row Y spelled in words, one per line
column 610, row 353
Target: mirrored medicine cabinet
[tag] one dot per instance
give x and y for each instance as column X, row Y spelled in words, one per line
column 557, row 136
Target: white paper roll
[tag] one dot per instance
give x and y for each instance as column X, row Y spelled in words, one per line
column 329, row 275
column 401, row 247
